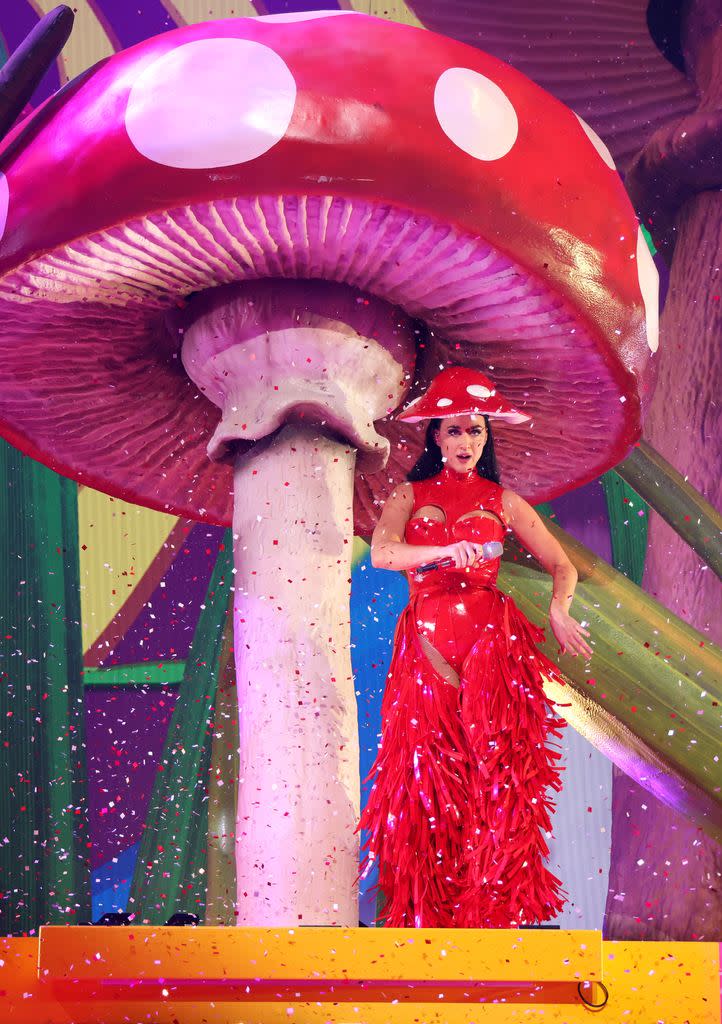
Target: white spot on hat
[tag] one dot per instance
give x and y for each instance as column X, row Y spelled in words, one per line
column 211, row 103
column 302, row 16
column 649, row 287
column 4, row 202
column 475, row 114
column 479, row 391
column 600, row 146
column 443, row 402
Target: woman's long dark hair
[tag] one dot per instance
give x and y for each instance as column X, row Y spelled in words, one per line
column 430, row 462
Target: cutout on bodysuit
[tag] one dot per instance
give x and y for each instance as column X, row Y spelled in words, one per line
column 439, row 663
column 436, row 514
column 430, row 513
column 481, row 514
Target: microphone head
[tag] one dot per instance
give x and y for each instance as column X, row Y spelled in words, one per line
column 492, row 549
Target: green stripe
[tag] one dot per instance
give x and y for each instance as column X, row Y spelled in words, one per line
column 162, row 673
column 44, row 869
column 628, row 524
column 648, row 239
column 671, row 495
column 170, row 872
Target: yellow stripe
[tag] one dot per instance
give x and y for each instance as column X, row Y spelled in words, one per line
column 392, row 10
column 118, row 542
column 360, row 549
column 190, row 12
column 87, row 44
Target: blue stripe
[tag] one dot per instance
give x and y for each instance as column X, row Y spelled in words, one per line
column 110, row 883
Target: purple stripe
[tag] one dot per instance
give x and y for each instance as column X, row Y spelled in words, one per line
column 663, row 271
column 128, row 23
column 583, row 513
column 297, row 6
column 175, row 604
column 125, row 730
column 265, row 988
column 16, row 22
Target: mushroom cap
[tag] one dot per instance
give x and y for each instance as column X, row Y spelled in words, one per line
column 449, row 185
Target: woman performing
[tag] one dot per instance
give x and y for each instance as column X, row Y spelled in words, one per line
column 459, row 803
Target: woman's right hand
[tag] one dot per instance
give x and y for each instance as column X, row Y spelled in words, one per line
column 463, row 552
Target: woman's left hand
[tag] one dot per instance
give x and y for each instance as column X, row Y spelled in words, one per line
column 569, row 633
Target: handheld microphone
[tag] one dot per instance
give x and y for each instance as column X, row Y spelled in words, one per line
column 489, row 549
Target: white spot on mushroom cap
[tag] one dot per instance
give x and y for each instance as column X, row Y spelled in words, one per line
column 479, row 391
column 4, row 202
column 600, row 146
column 443, row 402
column 302, row 16
column 211, row 103
column 649, row 287
column 475, row 113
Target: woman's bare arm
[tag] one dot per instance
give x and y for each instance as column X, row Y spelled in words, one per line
column 389, row 551
column 533, row 534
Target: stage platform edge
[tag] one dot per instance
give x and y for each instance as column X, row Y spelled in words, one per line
column 366, row 975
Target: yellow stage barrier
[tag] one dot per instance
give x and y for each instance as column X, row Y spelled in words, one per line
column 364, row 975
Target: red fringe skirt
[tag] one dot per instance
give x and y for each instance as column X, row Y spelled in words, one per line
column 459, row 803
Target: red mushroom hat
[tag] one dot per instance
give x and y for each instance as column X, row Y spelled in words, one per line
column 450, row 187
column 459, row 391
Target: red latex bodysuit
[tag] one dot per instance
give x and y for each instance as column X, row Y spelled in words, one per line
column 456, row 813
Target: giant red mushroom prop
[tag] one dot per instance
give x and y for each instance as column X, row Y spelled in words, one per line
column 248, row 153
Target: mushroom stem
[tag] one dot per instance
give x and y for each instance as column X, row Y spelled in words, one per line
column 302, row 371
column 298, row 793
